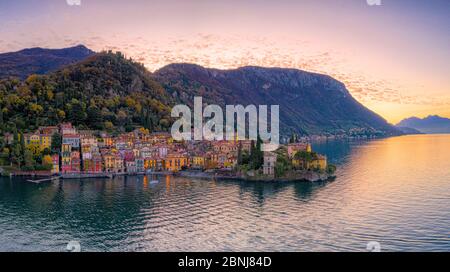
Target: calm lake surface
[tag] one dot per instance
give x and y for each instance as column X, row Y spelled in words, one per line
column 395, row 191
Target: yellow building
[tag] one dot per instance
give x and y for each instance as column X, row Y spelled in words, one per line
column 198, row 161
column 66, row 148
column 319, row 162
column 212, row 160
column 175, row 162
column 109, row 162
column 40, row 141
column 150, row 163
column 85, row 149
column 32, row 139
column 66, row 159
column 45, row 141
column 108, row 141
column 229, row 164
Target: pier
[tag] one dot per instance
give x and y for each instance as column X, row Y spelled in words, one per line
column 39, row 181
column 86, row 175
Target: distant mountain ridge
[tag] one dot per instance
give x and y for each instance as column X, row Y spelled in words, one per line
column 310, row 103
column 121, row 93
column 432, row 124
column 408, row 130
column 40, row 61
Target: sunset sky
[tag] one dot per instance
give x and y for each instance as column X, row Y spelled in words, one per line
column 394, row 58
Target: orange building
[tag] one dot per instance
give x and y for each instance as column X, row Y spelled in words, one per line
column 175, row 162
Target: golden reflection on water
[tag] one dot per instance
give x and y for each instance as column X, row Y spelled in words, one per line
column 167, row 183
column 398, row 182
column 145, row 182
column 380, row 164
column 395, row 191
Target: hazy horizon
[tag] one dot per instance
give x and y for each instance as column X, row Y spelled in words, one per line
column 393, row 58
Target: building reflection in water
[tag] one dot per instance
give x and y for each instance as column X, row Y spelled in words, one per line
column 168, row 183
column 145, row 181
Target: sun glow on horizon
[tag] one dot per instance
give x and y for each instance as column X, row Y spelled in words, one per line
column 392, row 58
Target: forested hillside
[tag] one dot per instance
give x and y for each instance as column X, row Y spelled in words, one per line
column 106, row 91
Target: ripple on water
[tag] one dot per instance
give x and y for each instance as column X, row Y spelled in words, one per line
column 382, row 193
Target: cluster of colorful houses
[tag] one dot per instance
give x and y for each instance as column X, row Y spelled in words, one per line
column 90, row 152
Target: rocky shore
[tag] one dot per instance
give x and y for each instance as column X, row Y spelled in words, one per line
column 304, row 176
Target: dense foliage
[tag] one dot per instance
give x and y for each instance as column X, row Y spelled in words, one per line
column 106, row 91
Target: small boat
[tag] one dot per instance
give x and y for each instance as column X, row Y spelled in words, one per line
column 154, row 181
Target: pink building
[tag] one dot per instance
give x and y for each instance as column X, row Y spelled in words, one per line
column 75, row 166
column 292, row 149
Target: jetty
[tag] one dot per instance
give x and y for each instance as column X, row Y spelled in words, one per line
column 86, row 176
column 39, row 181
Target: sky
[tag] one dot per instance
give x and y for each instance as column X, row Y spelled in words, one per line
column 393, row 57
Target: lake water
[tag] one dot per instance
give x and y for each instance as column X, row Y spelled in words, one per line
column 394, row 191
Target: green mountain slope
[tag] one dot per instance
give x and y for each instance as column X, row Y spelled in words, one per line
column 105, row 91
column 109, row 92
column 309, row 103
